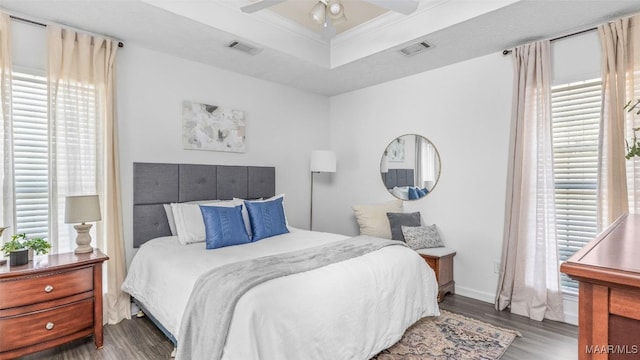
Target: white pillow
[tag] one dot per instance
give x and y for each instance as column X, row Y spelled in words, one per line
column 170, row 219
column 401, row 193
column 188, row 219
column 169, row 211
column 373, row 220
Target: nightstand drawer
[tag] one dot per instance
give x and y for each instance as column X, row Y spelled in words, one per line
column 25, row 330
column 45, row 288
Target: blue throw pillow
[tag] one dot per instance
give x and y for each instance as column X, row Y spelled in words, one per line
column 224, row 226
column 413, row 194
column 267, row 218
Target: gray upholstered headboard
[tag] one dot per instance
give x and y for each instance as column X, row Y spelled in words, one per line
column 398, row 177
column 158, row 184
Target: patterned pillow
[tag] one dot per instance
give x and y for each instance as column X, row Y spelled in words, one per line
column 422, row 237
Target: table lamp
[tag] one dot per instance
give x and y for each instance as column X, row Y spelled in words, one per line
column 82, row 209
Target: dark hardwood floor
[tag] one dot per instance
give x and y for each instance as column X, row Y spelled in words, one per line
column 139, row 339
column 548, row 340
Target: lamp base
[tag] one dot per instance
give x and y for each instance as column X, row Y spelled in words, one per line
column 83, row 240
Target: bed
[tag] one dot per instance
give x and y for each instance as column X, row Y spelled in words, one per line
column 350, row 309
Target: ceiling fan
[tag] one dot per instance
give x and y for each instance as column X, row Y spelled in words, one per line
column 329, row 13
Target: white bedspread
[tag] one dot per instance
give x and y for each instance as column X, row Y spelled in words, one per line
column 348, row 310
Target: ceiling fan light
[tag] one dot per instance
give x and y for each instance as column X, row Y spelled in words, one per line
column 317, row 13
column 339, row 19
column 336, row 8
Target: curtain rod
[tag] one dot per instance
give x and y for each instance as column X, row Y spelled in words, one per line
column 120, row 43
column 507, row 52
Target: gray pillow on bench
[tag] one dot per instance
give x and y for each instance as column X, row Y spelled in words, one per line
column 397, row 220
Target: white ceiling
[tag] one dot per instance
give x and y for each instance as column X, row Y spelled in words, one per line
column 362, row 56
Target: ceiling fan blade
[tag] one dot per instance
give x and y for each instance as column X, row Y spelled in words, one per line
column 401, row 6
column 259, row 5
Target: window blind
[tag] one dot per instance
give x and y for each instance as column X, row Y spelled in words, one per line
column 575, row 126
column 31, row 149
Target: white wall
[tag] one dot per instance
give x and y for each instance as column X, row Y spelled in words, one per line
column 464, row 109
column 283, row 124
column 576, row 58
column 29, row 47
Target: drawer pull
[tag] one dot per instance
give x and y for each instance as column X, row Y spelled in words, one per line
column 48, row 288
column 49, row 326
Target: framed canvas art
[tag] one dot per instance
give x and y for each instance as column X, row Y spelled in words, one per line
column 395, row 150
column 211, row 127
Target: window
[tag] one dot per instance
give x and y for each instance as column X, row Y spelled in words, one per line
column 31, row 149
column 575, row 126
column 75, row 151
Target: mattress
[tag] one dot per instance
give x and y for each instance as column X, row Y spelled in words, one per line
column 347, row 310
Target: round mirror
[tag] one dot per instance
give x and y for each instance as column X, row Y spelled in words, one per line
column 410, row 167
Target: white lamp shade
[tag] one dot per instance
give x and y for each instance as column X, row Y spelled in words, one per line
column 81, row 209
column 323, row 161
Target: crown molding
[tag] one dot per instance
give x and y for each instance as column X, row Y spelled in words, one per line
column 270, row 30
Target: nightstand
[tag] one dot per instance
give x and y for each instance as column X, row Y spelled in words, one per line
column 441, row 261
column 50, row 301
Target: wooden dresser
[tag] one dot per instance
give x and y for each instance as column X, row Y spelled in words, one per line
column 608, row 270
column 50, row 301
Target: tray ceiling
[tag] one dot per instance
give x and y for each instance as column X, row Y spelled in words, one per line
column 296, row 55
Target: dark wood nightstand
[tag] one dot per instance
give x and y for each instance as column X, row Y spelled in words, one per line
column 441, row 261
column 50, row 301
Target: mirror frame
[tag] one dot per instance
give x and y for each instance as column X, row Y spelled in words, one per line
column 439, row 168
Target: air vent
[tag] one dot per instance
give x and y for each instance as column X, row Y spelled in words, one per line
column 251, row 50
column 415, row 49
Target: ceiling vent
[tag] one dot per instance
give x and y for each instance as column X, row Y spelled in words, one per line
column 246, row 48
column 415, row 49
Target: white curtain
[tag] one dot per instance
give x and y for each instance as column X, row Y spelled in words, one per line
column 84, row 158
column 618, row 178
column 612, row 184
column 7, row 217
column 530, row 278
column 425, row 163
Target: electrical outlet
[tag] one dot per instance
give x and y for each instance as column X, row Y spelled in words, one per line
column 496, row 267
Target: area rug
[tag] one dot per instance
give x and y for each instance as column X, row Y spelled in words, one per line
column 452, row 337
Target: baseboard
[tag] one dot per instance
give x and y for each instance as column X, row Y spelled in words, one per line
column 475, row 294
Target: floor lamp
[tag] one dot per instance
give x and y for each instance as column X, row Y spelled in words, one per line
column 321, row 161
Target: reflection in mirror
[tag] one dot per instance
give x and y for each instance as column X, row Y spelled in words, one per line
column 410, row 167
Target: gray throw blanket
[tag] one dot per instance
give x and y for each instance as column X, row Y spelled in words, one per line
column 206, row 320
